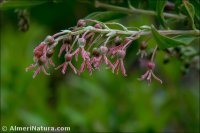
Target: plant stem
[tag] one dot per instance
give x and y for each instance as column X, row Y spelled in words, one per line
column 122, row 32
column 142, row 33
column 136, row 11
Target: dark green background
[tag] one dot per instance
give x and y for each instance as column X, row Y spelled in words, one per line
column 101, row 102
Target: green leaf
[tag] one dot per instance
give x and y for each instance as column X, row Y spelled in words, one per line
column 159, row 10
column 186, row 39
column 20, row 3
column 191, row 11
column 105, row 16
column 164, row 41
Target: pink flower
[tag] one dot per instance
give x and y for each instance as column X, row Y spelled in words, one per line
column 68, row 58
column 40, row 63
column 39, row 50
column 142, row 50
column 97, row 60
column 120, row 54
column 81, row 42
column 65, row 46
column 149, row 73
column 113, row 49
column 86, row 63
column 48, row 57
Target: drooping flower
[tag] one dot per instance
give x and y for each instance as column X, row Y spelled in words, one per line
column 49, row 60
column 149, row 73
column 68, row 59
column 81, row 43
column 120, row 54
column 97, row 61
column 142, row 50
column 86, row 63
column 40, row 66
column 65, row 46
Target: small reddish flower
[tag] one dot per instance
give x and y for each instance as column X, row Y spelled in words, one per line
column 98, row 26
column 86, row 63
column 149, row 73
column 49, row 60
column 81, row 43
column 39, row 50
column 40, row 63
column 120, row 54
column 65, row 46
column 113, row 49
column 81, row 23
column 142, row 50
column 96, row 59
column 68, row 59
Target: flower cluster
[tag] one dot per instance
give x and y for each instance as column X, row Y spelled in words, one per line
column 94, row 48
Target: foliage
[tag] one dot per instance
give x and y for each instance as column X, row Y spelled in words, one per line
column 103, row 101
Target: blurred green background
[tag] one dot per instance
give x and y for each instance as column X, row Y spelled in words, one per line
column 101, row 102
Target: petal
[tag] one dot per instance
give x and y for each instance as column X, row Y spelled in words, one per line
column 82, row 67
column 117, row 68
column 76, row 54
column 44, row 71
column 58, row 67
column 51, row 62
column 31, row 67
column 105, row 59
column 63, row 47
column 37, row 71
column 144, row 75
column 122, row 67
column 83, row 53
column 115, row 65
column 72, row 67
column 89, row 67
column 149, row 75
column 64, row 68
column 156, row 78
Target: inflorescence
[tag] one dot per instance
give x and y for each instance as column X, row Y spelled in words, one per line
column 93, row 44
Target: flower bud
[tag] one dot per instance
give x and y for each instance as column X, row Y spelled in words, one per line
column 103, row 50
column 81, row 42
column 143, row 45
column 68, row 40
column 68, row 57
column 81, row 23
column 120, row 54
column 118, row 40
column 98, row 26
column 95, row 52
column 151, row 65
column 49, row 53
column 49, row 40
column 42, row 60
column 37, row 54
column 126, row 40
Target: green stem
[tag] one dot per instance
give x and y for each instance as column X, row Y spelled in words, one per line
column 122, row 32
column 136, row 11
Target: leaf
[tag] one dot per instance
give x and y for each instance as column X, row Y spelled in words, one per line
column 186, row 39
column 20, row 3
column 159, row 10
column 164, row 41
column 105, row 16
column 197, row 12
column 191, row 11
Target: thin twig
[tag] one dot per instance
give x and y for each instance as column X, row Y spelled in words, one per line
column 135, row 10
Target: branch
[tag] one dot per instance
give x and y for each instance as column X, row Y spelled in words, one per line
column 136, row 11
column 121, row 32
